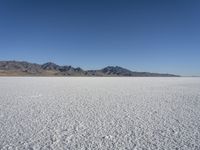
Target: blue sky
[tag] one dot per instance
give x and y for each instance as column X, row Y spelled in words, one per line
column 142, row 35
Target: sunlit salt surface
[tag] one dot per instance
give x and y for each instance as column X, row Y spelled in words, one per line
column 99, row 113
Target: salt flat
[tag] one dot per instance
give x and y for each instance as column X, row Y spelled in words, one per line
column 99, row 113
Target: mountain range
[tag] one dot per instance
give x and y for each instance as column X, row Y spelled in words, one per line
column 23, row 68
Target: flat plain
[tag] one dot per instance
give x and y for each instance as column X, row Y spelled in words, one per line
column 99, row 113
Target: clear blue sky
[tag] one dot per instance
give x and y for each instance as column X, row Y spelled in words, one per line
column 142, row 35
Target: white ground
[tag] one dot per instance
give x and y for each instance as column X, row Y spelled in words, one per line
column 99, row 113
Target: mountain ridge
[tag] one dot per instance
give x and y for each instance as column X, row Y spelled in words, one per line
column 24, row 68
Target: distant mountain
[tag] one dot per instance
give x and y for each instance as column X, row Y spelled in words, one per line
column 22, row 68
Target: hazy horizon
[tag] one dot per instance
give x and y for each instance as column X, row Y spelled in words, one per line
column 151, row 36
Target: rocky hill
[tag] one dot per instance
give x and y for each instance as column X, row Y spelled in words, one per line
column 22, row 68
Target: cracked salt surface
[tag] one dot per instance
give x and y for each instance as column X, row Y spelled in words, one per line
column 99, row 113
